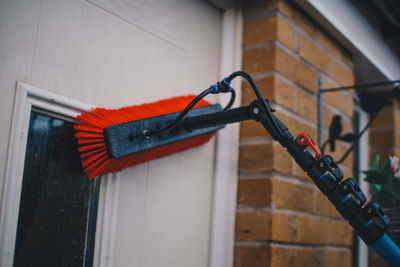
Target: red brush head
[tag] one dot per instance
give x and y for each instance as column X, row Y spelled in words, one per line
column 89, row 133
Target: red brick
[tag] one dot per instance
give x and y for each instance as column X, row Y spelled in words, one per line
column 282, row 256
column 267, row 29
column 307, row 106
column 299, row 18
column 260, row 30
column 314, row 54
column 257, row 256
column 256, row 157
column 287, row 195
column 325, row 207
column 311, row 230
column 283, row 93
column 287, row 256
column 265, row 157
column 252, row 7
column 252, row 129
column 343, row 258
column 253, row 226
column 297, row 126
column 265, row 226
column 396, row 114
column 342, row 75
column 385, row 138
column 385, row 119
column 334, row 258
column 259, row 60
column 347, row 104
column 348, row 162
column 340, row 233
column 272, row 88
column 374, row 260
column 274, row 58
column 347, row 58
column 332, row 98
column 255, row 129
column 338, row 153
column 283, row 227
column 295, row 70
column 327, row 115
column 286, row 34
column 254, row 192
column 302, row 174
column 347, row 173
column 330, row 44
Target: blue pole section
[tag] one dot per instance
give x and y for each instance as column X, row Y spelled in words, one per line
column 320, row 112
column 387, row 250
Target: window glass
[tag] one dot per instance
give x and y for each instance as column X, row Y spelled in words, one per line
column 58, row 208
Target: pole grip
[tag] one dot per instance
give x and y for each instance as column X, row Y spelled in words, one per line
column 387, row 250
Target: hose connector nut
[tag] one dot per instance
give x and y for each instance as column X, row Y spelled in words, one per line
column 224, row 86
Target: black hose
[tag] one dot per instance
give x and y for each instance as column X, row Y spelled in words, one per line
column 275, row 127
column 186, row 110
column 175, row 122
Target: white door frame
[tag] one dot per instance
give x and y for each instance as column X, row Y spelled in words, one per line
column 227, row 147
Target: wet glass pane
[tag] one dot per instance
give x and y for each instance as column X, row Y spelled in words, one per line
column 57, row 214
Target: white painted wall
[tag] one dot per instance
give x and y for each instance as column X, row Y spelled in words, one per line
column 227, row 144
column 114, row 54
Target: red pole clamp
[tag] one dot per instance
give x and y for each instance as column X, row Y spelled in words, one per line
column 304, row 139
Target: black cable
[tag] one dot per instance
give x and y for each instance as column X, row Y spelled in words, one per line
column 232, row 100
column 278, row 131
column 177, row 120
column 185, row 111
column 223, row 86
column 358, row 86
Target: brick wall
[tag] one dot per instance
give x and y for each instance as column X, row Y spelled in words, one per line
column 385, row 133
column 282, row 219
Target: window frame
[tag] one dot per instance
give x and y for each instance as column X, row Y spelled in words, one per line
column 364, row 152
column 222, row 238
column 29, row 98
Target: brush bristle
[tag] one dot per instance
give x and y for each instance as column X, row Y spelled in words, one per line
column 89, row 133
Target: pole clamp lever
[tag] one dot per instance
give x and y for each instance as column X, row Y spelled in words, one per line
column 351, row 187
column 306, row 140
column 374, row 212
column 326, row 163
column 370, row 223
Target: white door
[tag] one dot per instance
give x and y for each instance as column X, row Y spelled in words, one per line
column 114, row 54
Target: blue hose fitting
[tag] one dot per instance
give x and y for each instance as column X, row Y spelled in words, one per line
column 216, row 91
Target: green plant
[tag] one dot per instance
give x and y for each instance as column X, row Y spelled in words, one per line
column 385, row 182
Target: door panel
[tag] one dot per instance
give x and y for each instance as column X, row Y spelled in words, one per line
column 90, row 51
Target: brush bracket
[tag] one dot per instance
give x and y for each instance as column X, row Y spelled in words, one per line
column 128, row 138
